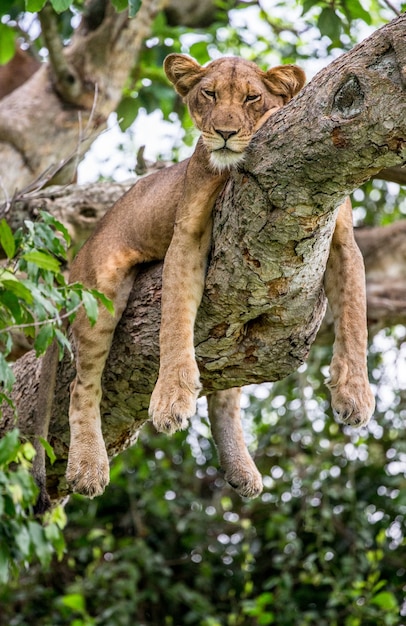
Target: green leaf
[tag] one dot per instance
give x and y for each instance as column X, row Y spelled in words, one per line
column 23, row 540
column 4, row 564
column 61, row 5
column 74, row 601
column 63, row 342
column 127, row 111
column 34, row 5
column 11, row 283
column 43, row 339
column 11, row 303
column 329, row 23
column 42, row 260
column 133, row 6
column 6, row 237
column 41, row 546
column 386, row 600
column 6, row 374
column 200, row 52
column 54, row 534
column 52, row 221
column 104, row 300
column 356, row 10
column 120, row 5
column 7, row 43
column 9, row 446
column 49, row 450
column 91, row 308
column 307, row 5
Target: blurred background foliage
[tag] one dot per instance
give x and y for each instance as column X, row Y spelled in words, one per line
column 170, row 544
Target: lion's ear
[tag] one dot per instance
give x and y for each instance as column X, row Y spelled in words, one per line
column 285, row 80
column 183, row 72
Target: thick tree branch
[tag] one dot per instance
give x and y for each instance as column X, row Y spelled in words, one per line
column 264, row 299
column 80, row 207
column 395, row 174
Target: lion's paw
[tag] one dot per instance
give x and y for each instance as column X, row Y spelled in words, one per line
column 88, row 471
column 246, row 481
column 352, row 400
column 174, row 403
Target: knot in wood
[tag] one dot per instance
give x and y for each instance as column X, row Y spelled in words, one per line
column 349, row 99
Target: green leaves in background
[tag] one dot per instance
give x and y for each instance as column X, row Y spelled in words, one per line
column 34, row 5
column 58, row 5
column 330, row 24
column 61, row 5
column 34, row 295
column 132, row 6
column 7, row 43
column 6, row 238
column 22, row 538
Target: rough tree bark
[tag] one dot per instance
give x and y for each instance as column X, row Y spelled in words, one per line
column 80, row 207
column 264, row 299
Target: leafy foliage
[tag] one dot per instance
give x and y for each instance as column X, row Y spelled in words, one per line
column 34, row 299
column 23, row 539
column 34, row 295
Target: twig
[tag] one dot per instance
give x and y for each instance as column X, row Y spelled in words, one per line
column 53, row 320
column 391, row 7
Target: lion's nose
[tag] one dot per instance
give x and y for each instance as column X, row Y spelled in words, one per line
column 226, row 134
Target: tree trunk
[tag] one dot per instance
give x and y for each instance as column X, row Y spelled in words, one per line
column 264, row 299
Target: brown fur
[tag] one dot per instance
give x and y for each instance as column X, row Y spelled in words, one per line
column 168, row 215
column 17, row 71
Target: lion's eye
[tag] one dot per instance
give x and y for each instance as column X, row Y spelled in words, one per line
column 209, row 94
column 252, row 98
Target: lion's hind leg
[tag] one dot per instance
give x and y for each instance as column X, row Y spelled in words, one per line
column 351, row 396
column 239, row 469
column 88, row 464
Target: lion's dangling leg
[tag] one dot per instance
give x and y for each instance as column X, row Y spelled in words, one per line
column 88, row 464
column 235, row 460
column 173, row 400
column 351, row 396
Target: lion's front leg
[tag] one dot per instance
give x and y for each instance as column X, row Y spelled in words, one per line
column 173, row 400
column 351, row 396
column 88, row 470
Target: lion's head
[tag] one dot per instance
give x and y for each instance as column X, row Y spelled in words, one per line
column 227, row 99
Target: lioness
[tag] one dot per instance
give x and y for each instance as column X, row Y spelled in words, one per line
column 168, row 215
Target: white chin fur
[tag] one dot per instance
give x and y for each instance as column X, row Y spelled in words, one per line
column 225, row 159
